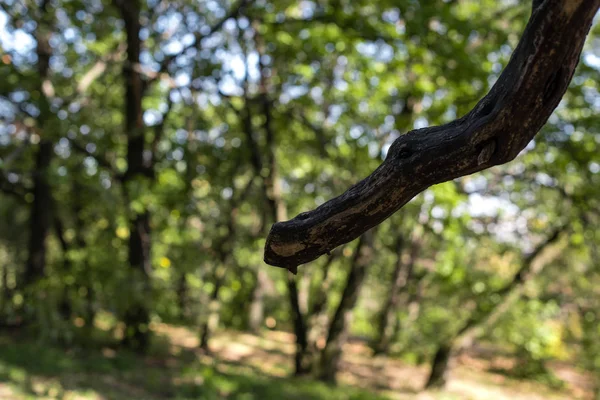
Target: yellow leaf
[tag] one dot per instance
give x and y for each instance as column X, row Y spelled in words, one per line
column 122, row 232
column 165, row 262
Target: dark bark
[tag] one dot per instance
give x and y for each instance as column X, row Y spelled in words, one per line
column 493, row 133
column 136, row 316
column 523, row 274
column 338, row 328
column 40, row 219
column 387, row 324
column 256, row 312
column 190, row 158
column 302, row 363
column 439, row 367
column 182, row 296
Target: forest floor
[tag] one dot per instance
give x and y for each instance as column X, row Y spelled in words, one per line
column 245, row 366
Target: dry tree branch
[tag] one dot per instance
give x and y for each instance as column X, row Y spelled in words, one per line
column 493, row 133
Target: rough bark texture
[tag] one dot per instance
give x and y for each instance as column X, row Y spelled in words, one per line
column 338, row 328
column 493, row 133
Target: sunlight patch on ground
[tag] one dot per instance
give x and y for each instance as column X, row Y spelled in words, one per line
column 241, row 363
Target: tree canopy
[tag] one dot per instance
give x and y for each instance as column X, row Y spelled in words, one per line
column 152, row 152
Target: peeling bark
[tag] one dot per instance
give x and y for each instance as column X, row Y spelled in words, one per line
column 493, row 133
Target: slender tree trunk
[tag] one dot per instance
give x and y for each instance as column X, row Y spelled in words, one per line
column 182, row 296
column 302, row 361
column 402, row 275
column 6, row 292
column 40, row 219
column 278, row 211
column 136, row 316
column 80, row 241
column 211, row 321
column 317, row 318
column 304, row 292
column 340, row 324
column 224, row 256
column 257, row 306
column 439, row 367
column 65, row 307
column 551, row 45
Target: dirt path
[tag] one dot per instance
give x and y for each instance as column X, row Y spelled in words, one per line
column 272, row 355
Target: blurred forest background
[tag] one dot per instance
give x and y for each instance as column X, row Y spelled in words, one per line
column 146, row 147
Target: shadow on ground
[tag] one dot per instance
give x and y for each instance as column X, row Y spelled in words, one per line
column 240, row 366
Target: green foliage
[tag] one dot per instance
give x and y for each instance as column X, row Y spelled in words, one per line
column 345, row 78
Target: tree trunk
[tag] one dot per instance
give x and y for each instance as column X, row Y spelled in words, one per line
column 65, row 308
column 403, row 271
column 211, row 322
column 224, row 249
column 80, row 241
column 182, row 297
column 494, row 132
column 302, row 360
column 40, row 219
column 256, row 315
column 256, row 309
column 338, row 328
column 439, row 367
column 5, row 296
column 316, row 319
column 136, row 316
